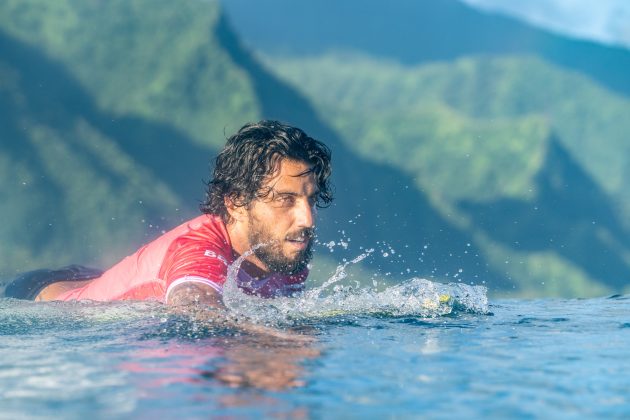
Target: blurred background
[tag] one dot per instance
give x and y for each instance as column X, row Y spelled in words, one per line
column 479, row 141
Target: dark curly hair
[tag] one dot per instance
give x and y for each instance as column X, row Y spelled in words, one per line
column 253, row 154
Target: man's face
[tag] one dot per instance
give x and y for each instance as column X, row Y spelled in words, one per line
column 284, row 220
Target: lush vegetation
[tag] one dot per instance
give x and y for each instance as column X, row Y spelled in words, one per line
column 489, row 108
column 143, row 59
column 109, row 114
column 477, row 132
column 507, row 170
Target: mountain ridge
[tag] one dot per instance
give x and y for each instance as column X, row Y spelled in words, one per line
column 98, row 146
column 432, row 121
column 431, row 30
column 152, row 144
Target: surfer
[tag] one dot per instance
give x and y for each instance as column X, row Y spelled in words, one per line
column 268, row 182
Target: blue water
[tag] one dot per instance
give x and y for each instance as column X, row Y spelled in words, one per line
column 520, row 358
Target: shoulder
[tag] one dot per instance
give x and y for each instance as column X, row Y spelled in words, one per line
column 202, row 231
column 200, row 253
column 208, row 228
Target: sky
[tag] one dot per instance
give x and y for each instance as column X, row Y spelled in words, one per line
column 605, row 21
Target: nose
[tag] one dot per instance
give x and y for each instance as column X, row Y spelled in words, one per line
column 305, row 214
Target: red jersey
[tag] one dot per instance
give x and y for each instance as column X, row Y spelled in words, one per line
column 197, row 251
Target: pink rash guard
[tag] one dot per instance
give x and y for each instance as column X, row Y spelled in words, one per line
column 197, row 251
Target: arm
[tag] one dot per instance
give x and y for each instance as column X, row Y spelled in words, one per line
column 187, row 294
column 198, row 302
column 203, row 303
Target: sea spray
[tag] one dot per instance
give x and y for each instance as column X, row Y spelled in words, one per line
column 240, row 304
column 340, row 274
column 414, row 297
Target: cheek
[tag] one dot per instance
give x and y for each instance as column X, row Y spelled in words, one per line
column 281, row 224
column 276, row 220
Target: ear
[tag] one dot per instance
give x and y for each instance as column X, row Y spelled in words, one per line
column 237, row 213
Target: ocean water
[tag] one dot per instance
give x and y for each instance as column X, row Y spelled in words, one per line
column 414, row 349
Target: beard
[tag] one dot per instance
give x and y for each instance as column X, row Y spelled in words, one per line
column 271, row 253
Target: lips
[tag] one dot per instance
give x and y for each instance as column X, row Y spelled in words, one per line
column 299, row 241
column 298, row 238
column 301, row 236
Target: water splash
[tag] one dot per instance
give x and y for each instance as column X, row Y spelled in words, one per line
column 237, row 302
column 340, row 274
column 414, row 297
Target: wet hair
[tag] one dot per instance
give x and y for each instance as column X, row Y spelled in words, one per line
column 252, row 155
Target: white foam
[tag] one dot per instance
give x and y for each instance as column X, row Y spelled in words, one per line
column 414, row 297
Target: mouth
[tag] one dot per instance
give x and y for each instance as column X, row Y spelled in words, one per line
column 300, row 241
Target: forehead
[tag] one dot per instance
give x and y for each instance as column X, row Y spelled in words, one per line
column 291, row 173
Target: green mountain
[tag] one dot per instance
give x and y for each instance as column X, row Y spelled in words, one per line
column 94, row 125
column 447, row 31
column 71, row 191
column 111, row 111
column 516, row 135
column 146, row 60
column 504, row 176
column 115, row 110
column 412, row 32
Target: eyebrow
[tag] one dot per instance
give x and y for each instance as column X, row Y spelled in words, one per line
column 306, row 172
column 292, row 193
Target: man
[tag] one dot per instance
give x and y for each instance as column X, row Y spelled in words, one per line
column 267, row 184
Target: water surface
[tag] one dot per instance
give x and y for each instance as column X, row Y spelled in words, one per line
column 526, row 358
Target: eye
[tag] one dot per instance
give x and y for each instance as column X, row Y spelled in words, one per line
column 285, row 200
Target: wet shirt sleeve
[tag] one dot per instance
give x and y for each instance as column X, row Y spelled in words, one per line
column 197, row 258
